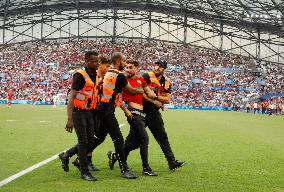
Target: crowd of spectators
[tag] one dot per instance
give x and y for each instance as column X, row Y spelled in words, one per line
column 272, row 106
column 200, row 77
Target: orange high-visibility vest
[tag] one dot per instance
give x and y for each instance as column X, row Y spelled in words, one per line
column 108, row 88
column 156, row 86
column 85, row 97
column 96, row 92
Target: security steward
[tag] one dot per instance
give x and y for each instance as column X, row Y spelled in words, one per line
column 137, row 137
column 104, row 65
column 161, row 86
column 113, row 83
column 80, row 112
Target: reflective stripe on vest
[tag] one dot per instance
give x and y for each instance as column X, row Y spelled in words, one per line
column 84, row 98
column 109, row 82
column 110, row 86
column 96, row 96
column 80, row 96
column 156, row 86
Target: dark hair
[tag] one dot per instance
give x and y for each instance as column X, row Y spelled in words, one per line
column 161, row 63
column 88, row 54
column 105, row 59
column 115, row 57
column 133, row 62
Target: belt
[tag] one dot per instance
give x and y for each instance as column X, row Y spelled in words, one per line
column 137, row 112
column 75, row 109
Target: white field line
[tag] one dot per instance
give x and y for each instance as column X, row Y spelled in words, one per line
column 21, row 173
column 11, row 120
column 121, row 125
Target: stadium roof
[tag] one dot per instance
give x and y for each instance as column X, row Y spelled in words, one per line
column 251, row 27
column 265, row 15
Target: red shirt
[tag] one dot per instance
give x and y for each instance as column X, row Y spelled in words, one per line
column 10, row 95
column 136, row 82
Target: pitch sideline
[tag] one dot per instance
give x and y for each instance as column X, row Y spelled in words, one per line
column 23, row 172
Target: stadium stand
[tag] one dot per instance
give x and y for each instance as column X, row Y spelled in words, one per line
column 201, row 77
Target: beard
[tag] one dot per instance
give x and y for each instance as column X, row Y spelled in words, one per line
column 120, row 67
column 157, row 72
column 93, row 68
column 130, row 75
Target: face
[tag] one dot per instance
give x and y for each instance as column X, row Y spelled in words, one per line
column 121, row 62
column 130, row 70
column 159, row 70
column 93, row 62
column 104, row 68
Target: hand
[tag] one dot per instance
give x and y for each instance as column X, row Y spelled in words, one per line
column 158, row 104
column 151, row 94
column 143, row 85
column 141, row 90
column 69, row 125
column 128, row 114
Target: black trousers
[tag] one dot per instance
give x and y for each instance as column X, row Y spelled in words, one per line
column 84, row 127
column 109, row 125
column 137, row 138
column 248, row 109
column 155, row 123
column 74, row 150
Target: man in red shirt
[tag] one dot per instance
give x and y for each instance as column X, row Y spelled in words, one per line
column 137, row 137
column 10, row 97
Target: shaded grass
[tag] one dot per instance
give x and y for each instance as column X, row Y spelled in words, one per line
column 226, row 151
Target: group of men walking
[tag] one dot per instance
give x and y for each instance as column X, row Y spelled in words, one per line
column 97, row 89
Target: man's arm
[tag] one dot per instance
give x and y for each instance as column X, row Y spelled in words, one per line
column 70, row 106
column 145, row 81
column 155, row 102
column 127, row 113
column 164, row 99
column 122, row 81
column 149, row 92
column 132, row 90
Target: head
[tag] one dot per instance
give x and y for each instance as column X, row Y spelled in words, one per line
column 118, row 60
column 131, row 68
column 104, row 65
column 92, row 60
column 160, row 67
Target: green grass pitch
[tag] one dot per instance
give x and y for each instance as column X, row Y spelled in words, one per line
column 225, row 151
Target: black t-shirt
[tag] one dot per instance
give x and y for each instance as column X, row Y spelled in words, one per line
column 120, row 83
column 148, row 106
column 79, row 81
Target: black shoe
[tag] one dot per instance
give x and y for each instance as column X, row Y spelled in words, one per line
column 76, row 163
column 129, row 175
column 148, row 171
column 64, row 162
column 92, row 167
column 111, row 160
column 88, row 177
column 176, row 164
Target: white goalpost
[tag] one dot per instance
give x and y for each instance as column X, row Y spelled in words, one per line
column 59, row 99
